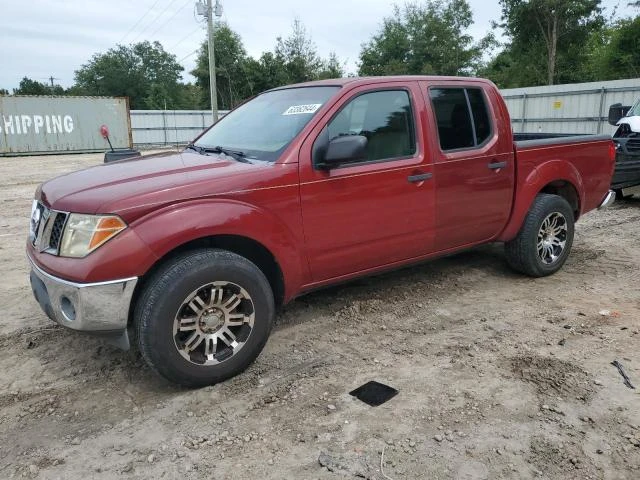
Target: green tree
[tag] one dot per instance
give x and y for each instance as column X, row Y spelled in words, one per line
column 144, row 72
column 190, row 97
column 239, row 76
column 265, row 73
column 616, row 53
column 425, row 38
column 298, row 54
column 231, row 81
column 28, row 86
column 332, row 67
column 547, row 41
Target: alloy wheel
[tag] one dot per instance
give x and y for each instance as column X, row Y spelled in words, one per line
column 213, row 323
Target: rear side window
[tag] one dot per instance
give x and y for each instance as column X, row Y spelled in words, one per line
column 463, row 120
column 480, row 114
column 384, row 117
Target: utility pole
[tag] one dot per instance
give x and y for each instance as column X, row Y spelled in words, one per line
column 51, row 79
column 212, row 56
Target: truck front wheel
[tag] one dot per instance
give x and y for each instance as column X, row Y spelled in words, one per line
column 545, row 239
column 203, row 317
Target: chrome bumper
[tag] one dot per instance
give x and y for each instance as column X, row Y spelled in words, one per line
column 100, row 308
column 608, row 199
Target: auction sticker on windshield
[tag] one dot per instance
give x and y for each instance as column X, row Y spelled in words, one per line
column 301, row 109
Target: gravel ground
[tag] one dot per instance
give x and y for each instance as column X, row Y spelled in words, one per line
column 499, row 375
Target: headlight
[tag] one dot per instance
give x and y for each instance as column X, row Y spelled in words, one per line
column 84, row 233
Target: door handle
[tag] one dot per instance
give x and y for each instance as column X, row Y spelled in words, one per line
column 421, row 177
column 497, row 165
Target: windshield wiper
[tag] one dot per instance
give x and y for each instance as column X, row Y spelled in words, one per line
column 236, row 155
column 198, row 149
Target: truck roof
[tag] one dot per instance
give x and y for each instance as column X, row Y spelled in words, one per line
column 356, row 81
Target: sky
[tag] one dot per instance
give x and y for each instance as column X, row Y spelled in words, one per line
column 44, row 38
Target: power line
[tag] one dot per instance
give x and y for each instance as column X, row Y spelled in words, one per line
column 185, row 37
column 139, row 20
column 170, row 18
column 171, row 2
column 187, row 56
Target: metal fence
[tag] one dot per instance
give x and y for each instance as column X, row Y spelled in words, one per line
column 571, row 108
column 168, row 127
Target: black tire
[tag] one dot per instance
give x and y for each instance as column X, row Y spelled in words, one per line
column 163, row 296
column 522, row 252
column 620, row 195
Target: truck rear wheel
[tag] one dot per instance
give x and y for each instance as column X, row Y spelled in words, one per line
column 545, row 239
column 204, row 317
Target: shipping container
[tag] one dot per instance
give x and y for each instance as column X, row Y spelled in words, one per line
column 31, row 125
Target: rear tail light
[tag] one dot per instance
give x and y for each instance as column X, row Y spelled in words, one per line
column 612, row 152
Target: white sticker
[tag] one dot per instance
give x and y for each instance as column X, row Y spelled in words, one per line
column 302, row 109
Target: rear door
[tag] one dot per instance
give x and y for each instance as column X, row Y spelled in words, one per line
column 376, row 211
column 473, row 164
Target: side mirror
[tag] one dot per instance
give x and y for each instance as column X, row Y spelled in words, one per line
column 344, row 149
column 616, row 112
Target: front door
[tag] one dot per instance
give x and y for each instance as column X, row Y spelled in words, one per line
column 378, row 210
column 473, row 165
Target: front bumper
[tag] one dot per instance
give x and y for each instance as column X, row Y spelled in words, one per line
column 627, row 171
column 99, row 308
column 608, row 199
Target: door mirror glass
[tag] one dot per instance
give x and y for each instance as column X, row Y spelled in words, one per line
column 350, row 148
column 616, row 112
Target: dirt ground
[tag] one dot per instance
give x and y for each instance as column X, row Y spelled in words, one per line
column 499, row 375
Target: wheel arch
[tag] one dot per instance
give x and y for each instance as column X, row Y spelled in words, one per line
column 246, row 247
column 566, row 190
column 557, row 177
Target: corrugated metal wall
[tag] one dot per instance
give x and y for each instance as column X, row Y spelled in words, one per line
column 572, row 108
column 169, row 127
column 48, row 124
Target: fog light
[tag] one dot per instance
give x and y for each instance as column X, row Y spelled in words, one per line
column 67, row 308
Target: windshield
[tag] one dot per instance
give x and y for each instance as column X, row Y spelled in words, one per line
column 263, row 127
column 635, row 110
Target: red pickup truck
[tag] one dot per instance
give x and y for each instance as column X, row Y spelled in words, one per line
column 189, row 254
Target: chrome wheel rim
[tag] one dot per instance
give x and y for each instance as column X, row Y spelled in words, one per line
column 213, row 323
column 552, row 238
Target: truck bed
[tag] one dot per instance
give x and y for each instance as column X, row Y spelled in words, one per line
column 527, row 139
column 588, row 154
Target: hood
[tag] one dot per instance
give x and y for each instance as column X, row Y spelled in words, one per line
column 130, row 187
column 633, row 122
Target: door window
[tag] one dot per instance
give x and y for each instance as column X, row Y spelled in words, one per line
column 384, row 117
column 481, row 120
column 462, row 116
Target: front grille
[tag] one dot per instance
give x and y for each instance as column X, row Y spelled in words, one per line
column 633, row 145
column 46, row 228
column 56, row 231
column 38, row 216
